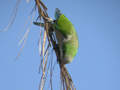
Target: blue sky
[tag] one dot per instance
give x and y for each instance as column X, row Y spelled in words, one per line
column 97, row 63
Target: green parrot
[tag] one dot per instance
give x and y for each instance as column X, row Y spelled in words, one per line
column 67, row 39
column 66, row 36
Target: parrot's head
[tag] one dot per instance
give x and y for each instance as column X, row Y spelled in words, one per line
column 57, row 13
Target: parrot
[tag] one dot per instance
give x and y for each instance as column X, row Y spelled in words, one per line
column 66, row 35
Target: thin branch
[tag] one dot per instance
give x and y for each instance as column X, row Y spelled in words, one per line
column 13, row 16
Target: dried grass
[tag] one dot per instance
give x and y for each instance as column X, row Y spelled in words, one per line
column 12, row 18
column 46, row 42
column 66, row 80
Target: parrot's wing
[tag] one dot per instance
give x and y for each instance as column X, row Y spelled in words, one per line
column 64, row 26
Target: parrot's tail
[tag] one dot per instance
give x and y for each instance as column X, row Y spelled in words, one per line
column 66, row 80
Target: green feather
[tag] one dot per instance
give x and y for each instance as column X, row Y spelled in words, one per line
column 70, row 45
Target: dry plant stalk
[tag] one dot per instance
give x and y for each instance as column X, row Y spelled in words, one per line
column 67, row 83
column 12, row 18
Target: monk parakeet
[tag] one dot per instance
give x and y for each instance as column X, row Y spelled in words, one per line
column 66, row 36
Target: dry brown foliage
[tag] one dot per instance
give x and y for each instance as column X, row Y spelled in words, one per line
column 67, row 83
column 48, row 41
